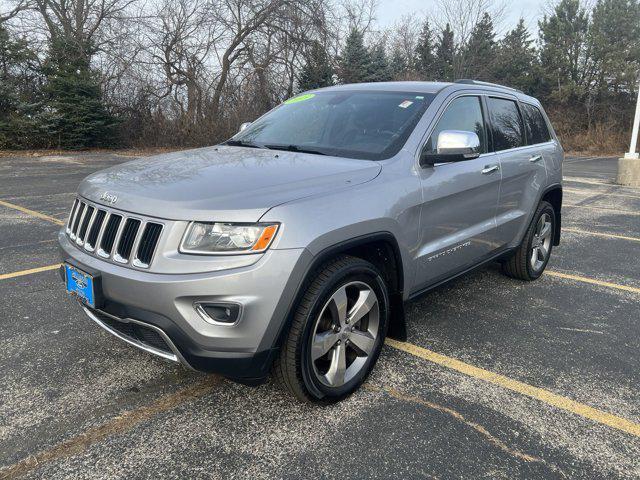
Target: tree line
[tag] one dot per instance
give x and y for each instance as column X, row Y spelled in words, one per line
column 118, row 73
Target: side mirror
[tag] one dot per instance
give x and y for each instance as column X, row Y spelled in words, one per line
column 243, row 126
column 453, row 146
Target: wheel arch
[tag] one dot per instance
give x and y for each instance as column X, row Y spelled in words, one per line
column 379, row 248
column 553, row 195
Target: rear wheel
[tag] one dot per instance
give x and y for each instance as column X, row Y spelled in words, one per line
column 531, row 258
column 337, row 332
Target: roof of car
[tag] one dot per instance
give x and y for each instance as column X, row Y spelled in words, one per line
column 430, row 87
column 420, row 87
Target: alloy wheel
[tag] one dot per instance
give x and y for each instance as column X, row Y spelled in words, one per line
column 541, row 242
column 345, row 334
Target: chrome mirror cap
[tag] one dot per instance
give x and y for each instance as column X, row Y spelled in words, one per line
column 458, row 143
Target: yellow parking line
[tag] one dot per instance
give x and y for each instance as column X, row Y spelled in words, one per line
column 612, row 210
column 4, row 276
column 33, row 213
column 592, row 281
column 592, row 192
column 537, row 393
column 599, row 234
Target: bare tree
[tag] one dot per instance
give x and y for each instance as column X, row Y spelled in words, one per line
column 361, row 14
column 81, row 22
column 9, row 13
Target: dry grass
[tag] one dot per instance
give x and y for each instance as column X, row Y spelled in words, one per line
column 127, row 152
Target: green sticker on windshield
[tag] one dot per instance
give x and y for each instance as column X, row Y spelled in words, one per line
column 301, row 98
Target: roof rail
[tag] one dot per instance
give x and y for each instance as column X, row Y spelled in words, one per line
column 468, row 81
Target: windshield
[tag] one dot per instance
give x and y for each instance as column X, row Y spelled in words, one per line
column 355, row 124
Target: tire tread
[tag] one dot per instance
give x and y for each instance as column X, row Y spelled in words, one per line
column 287, row 369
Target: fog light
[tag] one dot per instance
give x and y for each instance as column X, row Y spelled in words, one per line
column 219, row 313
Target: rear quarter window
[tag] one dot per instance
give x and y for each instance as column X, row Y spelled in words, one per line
column 537, row 129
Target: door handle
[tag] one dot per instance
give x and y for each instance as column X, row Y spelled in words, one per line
column 490, row 169
column 535, row 158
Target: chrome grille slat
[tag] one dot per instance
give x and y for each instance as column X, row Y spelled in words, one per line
column 109, row 236
column 128, row 234
column 76, row 220
column 105, row 222
column 72, row 214
column 147, row 244
column 94, row 230
column 89, row 211
column 136, row 244
column 113, row 235
column 116, row 241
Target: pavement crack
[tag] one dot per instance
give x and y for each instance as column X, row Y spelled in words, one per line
column 117, row 425
column 475, row 426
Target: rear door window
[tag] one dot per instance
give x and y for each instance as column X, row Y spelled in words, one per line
column 506, row 124
column 537, row 130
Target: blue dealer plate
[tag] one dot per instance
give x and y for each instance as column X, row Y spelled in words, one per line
column 80, row 285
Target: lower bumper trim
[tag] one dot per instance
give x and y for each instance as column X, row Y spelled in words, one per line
column 174, row 354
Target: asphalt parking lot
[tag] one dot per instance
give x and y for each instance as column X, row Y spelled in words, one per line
column 498, row 378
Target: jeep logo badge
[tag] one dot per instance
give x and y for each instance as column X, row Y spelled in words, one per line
column 109, row 198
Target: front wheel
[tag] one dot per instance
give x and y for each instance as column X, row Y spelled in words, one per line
column 337, row 332
column 531, row 258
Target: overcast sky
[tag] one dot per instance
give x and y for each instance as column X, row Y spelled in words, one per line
column 531, row 10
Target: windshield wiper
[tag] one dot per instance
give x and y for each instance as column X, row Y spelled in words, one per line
column 241, row 143
column 294, row 148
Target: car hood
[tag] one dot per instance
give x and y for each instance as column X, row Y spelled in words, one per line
column 230, row 184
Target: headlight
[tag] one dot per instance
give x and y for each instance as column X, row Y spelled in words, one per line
column 212, row 238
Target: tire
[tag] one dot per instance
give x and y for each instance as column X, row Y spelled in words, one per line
column 320, row 325
column 521, row 264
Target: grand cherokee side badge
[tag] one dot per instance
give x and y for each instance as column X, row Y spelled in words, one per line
column 109, row 198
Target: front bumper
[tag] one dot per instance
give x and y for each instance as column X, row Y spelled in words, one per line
column 165, row 303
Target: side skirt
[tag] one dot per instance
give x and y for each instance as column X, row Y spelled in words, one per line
column 440, row 282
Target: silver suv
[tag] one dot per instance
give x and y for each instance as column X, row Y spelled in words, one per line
column 293, row 246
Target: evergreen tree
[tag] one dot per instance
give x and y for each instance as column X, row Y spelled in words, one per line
column 378, row 65
column 614, row 44
column 20, row 108
column 445, row 52
column 317, row 71
column 479, row 54
column 516, row 63
column 425, row 60
column 398, row 65
column 78, row 117
column 563, row 53
column 354, row 62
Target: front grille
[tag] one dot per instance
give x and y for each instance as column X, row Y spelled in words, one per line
column 134, row 331
column 149, row 240
column 110, row 233
column 88, row 214
column 90, row 243
column 127, row 239
column 113, row 235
